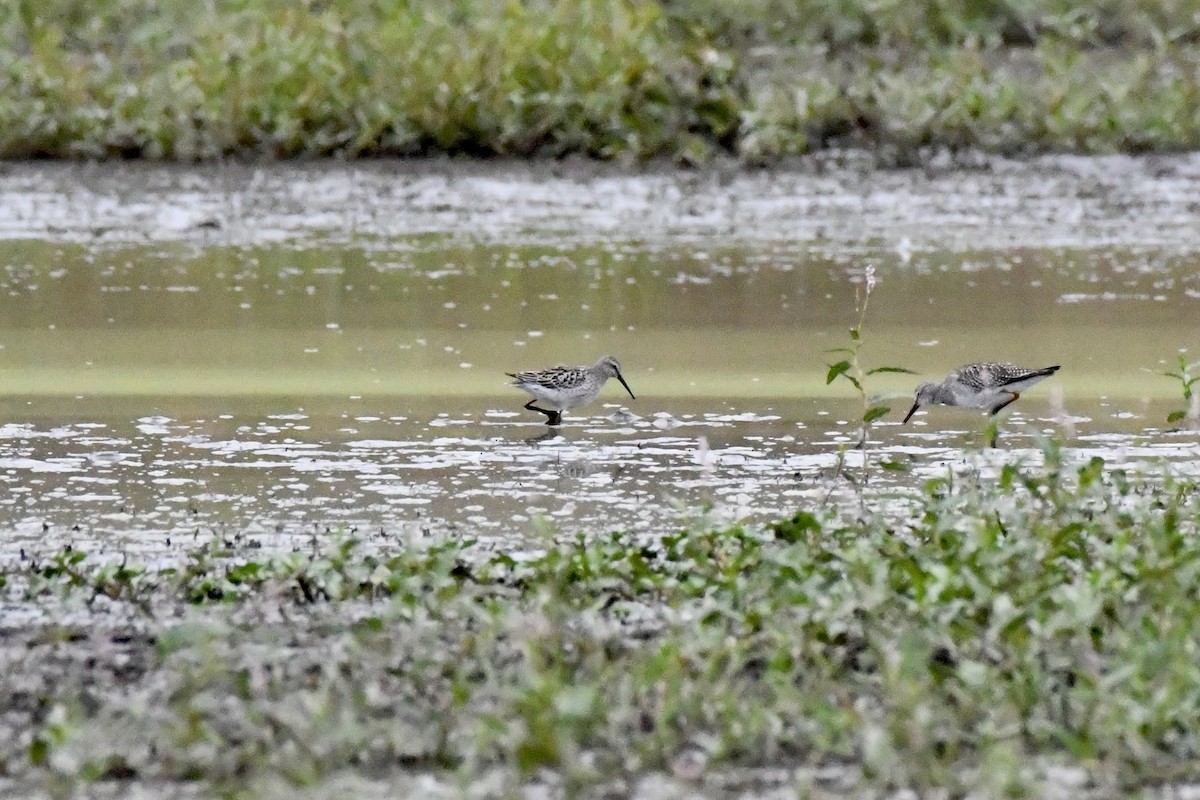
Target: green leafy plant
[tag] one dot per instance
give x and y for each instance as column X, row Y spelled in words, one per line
column 851, row 370
column 1191, row 396
column 609, row 78
column 971, row 637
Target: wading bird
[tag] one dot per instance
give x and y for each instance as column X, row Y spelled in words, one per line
column 562, row 388
column 987, row 385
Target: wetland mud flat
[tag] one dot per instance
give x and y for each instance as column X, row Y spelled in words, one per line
column 272, row 524
column 827, row 203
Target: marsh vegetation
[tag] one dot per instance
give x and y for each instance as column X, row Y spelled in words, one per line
column 998, row 629
column 685, row 79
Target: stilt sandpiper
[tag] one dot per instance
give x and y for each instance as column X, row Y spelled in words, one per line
column 563, row 388
column 985, row 385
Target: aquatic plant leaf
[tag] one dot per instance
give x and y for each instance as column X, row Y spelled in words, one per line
column 1091, row 472
column 797, row 528
column 874, row 413
column 901, row 370
column 835, row 370
column 39, row 752
column 368, row 625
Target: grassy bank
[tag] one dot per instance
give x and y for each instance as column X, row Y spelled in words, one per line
column 686, row 79
column 997, row 635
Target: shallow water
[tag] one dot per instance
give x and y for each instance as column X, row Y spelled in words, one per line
column 177, row 370
column 103, row 478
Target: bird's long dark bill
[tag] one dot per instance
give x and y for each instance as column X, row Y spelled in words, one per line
column 911, row 411
column 621, row 378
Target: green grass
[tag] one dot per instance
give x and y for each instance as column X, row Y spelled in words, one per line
column 684, row 79
column 179, row 80
column 968, row 636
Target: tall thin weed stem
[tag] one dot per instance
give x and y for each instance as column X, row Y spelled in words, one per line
column 850, row 369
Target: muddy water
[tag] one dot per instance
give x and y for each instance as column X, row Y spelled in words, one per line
column 268, row 354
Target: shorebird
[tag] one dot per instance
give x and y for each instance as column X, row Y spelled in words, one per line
column 986, row 385
column 562, row 388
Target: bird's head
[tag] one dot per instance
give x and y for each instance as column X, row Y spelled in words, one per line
column 608, row 367
column 924, row 396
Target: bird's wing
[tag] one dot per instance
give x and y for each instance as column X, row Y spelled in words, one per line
column 1013, row 374
column 995, row 375
column 553, row 378
column 976, row 376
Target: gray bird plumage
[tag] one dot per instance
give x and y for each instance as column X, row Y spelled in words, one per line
column 563, row 388
column 989, row 385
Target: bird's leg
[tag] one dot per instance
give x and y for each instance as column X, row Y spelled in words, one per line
column 1012, row 399
column 552, row 417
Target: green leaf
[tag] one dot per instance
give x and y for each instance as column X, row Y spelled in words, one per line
column 368, row 625
column 894, row 466
column 39, row 752
column 854, row 334
column 840, row 350
column 1175, row 416
column 1090, row 472
column 874, row 413
column 890, row 369
column 798, row 528
column 835, row 370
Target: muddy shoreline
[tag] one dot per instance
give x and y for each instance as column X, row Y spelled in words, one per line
column 829, row 203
